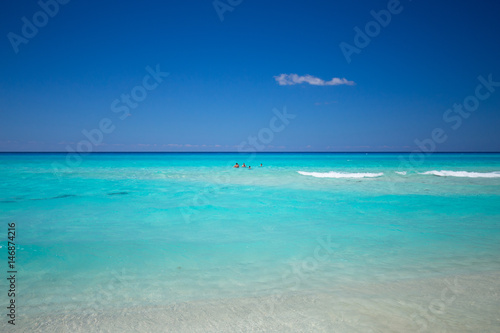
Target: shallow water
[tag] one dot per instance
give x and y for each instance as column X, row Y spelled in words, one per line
column 151, row 231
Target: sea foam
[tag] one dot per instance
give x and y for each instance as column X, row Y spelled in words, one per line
column 333, row 174
column 468, row 174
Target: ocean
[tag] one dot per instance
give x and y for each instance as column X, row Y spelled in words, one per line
column 309, row 242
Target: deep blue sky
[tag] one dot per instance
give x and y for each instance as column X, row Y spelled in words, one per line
column 221, row 87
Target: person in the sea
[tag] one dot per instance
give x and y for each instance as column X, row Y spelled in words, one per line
column 249, row 167
column 236, row 165
column 261, row 164
column 243, row 165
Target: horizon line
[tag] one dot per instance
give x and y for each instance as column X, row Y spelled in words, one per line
column 260, row 152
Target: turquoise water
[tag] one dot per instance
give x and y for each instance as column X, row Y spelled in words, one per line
column 129, row 230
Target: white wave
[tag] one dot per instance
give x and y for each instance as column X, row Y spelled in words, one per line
column 447, row 173
column 333, row 174
column 401, row 172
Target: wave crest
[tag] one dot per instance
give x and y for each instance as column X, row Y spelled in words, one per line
column 333, row 174
column 468, row 174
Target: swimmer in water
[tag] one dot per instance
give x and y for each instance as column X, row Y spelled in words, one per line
column 236, row 165
column 249, row 167
column 243, row 165
column 261, row 164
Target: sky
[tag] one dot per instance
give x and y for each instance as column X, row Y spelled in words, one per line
column 239, row 75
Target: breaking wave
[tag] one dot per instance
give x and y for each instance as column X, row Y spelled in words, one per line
column 447, row 173
column 333, row 174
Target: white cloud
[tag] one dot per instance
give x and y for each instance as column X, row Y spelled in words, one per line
column 292, row 79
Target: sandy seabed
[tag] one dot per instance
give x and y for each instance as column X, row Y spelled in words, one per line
column 465, row 303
